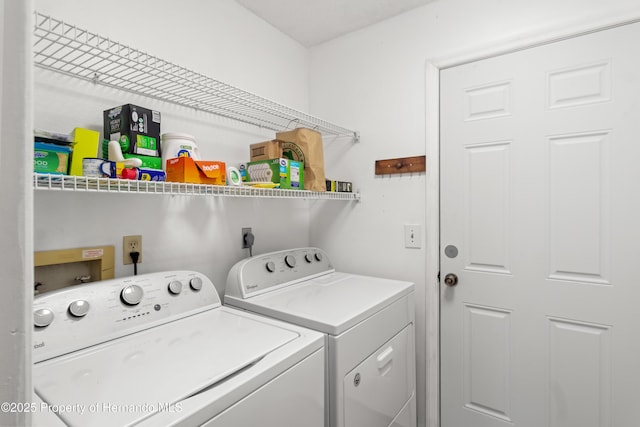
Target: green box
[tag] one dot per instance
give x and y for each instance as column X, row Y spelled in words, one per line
column 150, row 162
column 50, row 158
column 288, row 173
column 147, row 161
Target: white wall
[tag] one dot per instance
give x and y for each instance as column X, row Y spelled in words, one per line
column 221, row 40
column 373, row 80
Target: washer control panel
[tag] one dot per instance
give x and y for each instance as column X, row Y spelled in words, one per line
column 270, row 271
column 84, row 315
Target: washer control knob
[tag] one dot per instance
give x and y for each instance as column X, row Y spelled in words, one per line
column 318, row 256
column 42, row 317
column 195, row 283
column 175, row 287
column 308, row 258
column 131, row 295
column 79, row 308
column 290, row 260
column 270, row 266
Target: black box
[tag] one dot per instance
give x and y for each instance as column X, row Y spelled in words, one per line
column 339, row 186
column 137, row 129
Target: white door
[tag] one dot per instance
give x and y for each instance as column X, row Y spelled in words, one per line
column 540, row 222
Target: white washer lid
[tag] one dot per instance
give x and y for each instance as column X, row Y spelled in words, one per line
column 129, row 379
column 331, row 303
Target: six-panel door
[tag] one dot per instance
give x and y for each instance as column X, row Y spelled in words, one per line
column 540, row 221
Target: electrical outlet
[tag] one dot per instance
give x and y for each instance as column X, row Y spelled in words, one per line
column 131, row 244
column 412, row 236
column 246, row 232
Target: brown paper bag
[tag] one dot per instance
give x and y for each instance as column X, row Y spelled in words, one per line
column 305, row 145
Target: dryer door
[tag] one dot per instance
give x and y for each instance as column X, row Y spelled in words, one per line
column 377, row 389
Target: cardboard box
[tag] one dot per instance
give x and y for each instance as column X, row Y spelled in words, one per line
column 185, row 169
column 266, row 150
column 288, row 173
column 150, row 162
column 40, row 135
column 339, row 186
column 85, row 143
column 243, row 171
column 50, row 158
column 137, row 129
column 147, row 161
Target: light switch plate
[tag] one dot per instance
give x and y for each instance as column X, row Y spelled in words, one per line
column 412, row 236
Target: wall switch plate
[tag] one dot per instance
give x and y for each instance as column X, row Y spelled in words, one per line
column 412, row 236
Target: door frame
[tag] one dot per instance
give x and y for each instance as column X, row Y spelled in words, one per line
column 16, row 214
column 433, row 66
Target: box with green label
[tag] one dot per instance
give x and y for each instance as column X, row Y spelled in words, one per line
column 288, row 173
column 137, row 129
column 50, row 158
column 150, row 162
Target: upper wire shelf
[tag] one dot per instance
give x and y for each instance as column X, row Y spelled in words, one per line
column 109, row 185
column 73, row 51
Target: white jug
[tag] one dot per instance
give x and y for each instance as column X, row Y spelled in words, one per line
column 178, row 145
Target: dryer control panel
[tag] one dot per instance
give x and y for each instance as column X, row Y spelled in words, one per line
column 274, row 270
column 92, row 313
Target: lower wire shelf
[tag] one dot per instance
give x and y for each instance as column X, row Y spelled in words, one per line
column 109, row 185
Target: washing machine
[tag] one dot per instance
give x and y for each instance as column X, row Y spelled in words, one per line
column 368, row 324
column 160, row 350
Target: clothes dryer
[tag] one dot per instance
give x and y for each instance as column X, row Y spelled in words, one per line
column 368, row 323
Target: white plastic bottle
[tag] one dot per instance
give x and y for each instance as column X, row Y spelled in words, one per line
column 178, row 145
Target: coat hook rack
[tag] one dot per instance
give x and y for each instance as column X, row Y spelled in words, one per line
column 401, row 165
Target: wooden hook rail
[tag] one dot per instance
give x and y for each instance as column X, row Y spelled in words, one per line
column 401, row 165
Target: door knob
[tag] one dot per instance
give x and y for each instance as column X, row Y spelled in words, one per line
column 450, row 279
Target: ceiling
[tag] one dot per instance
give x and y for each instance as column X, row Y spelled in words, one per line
column 312, row 22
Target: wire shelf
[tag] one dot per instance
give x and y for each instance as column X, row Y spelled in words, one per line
column 73, row 51
column 108, row 185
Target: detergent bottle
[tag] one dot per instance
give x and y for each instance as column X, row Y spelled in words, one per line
column 178, row 145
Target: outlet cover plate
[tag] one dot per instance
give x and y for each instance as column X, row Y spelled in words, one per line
column 245, row 231
column 130, row 243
